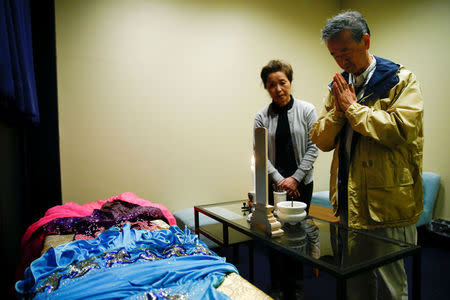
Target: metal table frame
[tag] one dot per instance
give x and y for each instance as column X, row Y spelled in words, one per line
column 341, row 276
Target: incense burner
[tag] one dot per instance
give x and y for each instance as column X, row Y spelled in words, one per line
column 291, row 212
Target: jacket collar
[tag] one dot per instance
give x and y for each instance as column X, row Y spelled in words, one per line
column 383, row 79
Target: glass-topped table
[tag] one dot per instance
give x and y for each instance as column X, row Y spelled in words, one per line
column 340, row 251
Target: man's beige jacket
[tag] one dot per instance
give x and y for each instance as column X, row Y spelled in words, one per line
column 385, row 170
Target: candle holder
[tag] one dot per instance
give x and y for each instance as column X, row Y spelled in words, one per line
column 262, row 218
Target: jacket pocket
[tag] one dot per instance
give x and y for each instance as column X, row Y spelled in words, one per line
column 394, row 201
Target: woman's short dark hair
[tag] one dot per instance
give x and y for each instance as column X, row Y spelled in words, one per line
column 351, row 20
column 275, row 66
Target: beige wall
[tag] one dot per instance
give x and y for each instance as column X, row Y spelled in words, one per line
column 158, row 97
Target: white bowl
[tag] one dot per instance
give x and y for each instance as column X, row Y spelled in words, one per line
column 291, row 207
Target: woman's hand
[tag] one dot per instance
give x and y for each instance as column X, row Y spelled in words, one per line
column 290, row 185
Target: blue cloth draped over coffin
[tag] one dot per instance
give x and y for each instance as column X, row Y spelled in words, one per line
column 128, row 263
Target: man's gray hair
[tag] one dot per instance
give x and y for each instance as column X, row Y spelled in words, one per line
column 351, row 20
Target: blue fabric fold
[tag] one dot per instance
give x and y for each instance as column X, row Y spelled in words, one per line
column 127, row 263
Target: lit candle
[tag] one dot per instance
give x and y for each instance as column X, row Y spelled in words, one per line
column 253, row 172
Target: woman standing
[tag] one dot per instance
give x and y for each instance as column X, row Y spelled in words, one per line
column 288, row 121
column 290, row 167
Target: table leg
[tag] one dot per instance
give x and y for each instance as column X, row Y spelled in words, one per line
column 196, row 222
column 225, row 240
column 416, row 288
column 225, row 234
column 341, row 289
